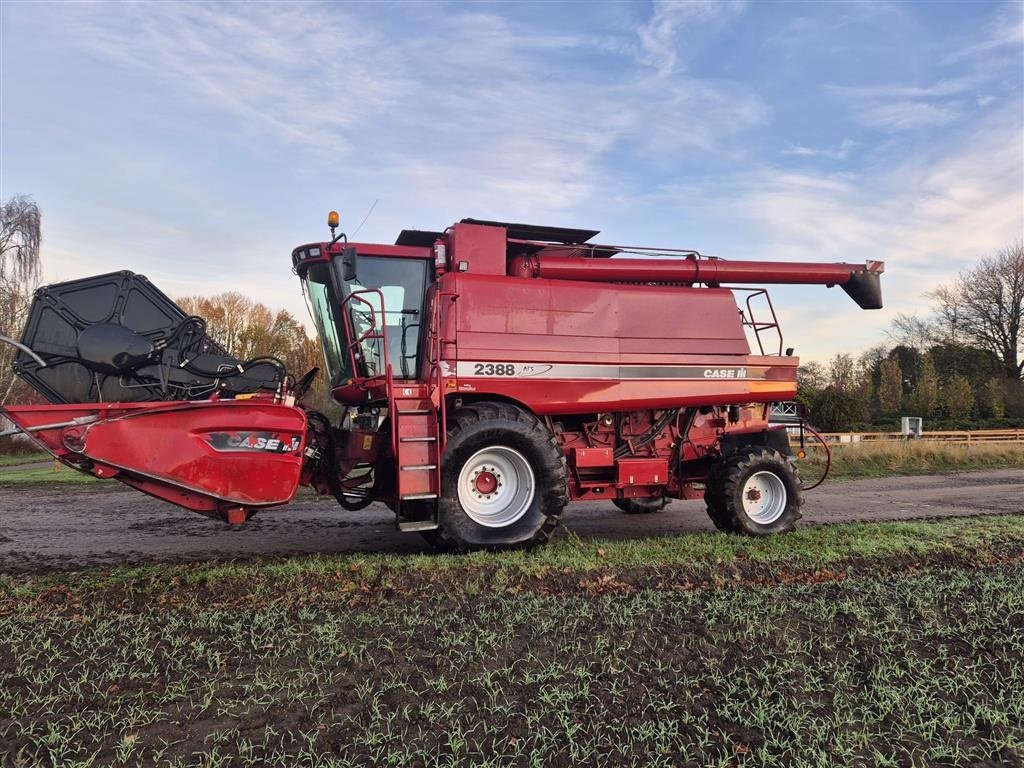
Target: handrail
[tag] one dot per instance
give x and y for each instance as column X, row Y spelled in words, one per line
column 434, row 347
column 389, row 386
column 763, row 326
column 371, row 333
column 434, row 353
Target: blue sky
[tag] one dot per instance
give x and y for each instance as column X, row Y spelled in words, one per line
column 198, row 143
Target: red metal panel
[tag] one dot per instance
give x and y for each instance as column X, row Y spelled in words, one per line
column 536, row 347
column 593, row 457
column 554, row 317
column 642, row 471
column 481, row 248
column 549, row 325
column 363, row 445
column 207, row 455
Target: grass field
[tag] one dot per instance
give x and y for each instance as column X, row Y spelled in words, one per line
column 14, row 471
column 912, row 458
column 46, row 476
column 23, row 458
column 896, row 644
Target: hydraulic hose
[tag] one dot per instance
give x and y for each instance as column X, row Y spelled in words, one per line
column 240, row 369
column 353, row 502
column 828, row 458
column 362, row 501
column 23, row 348
column 652, row 433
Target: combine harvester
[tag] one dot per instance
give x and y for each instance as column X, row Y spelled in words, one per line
column 489, row 374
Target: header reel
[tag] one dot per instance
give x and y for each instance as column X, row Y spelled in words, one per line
column 117, row 338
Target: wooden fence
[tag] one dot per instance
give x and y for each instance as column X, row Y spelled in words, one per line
column 968, row 436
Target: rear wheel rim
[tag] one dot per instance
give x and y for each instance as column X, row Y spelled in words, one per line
column 764, row 497
column 509, row 474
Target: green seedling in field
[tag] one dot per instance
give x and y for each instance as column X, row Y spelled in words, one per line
column 861, row 645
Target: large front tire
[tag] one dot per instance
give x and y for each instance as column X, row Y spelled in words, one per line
column 755, row 491
column 503, row 478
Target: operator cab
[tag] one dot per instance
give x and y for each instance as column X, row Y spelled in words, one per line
column 368, row 304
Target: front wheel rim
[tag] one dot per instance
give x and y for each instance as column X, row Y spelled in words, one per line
column 764, row 497
column 496, row 486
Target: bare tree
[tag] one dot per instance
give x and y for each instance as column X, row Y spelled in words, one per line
column 947, row 325
column 986, row 304
column 21, row 235
column 913, row 331
column 20, row 241
column 871, row 358
column 995, row 397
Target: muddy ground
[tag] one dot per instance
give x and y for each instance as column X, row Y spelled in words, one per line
column 911, row 659
column 45, row 527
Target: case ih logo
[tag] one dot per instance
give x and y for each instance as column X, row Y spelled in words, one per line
column 265, row 442
column 725, row 373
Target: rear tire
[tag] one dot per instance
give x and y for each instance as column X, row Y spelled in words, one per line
column 755, row 491
column 504, row 481
column 641, row 506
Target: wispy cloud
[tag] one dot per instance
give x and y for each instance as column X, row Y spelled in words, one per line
column 300, row 84
column 846, row 146
column 942, row 88
column 936, row 208
column 662, row 37
column 478, row 92
column 984, row 70
column 1005, row 31
column 895, row 107
column 907, row 115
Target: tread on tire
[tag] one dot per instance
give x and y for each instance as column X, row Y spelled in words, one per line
column 723, row 492
column 475, row 427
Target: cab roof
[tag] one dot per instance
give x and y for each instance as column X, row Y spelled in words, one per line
column 562, row 235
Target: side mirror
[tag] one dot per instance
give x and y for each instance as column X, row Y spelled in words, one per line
column 348, row 264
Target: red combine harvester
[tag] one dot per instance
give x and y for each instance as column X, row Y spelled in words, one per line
column 489, row 374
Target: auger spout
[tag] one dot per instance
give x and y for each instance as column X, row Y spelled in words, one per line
column 861, row 281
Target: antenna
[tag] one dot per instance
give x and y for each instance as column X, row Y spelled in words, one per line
column 366, row 217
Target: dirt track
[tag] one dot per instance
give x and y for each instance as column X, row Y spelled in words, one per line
column 67, row 527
